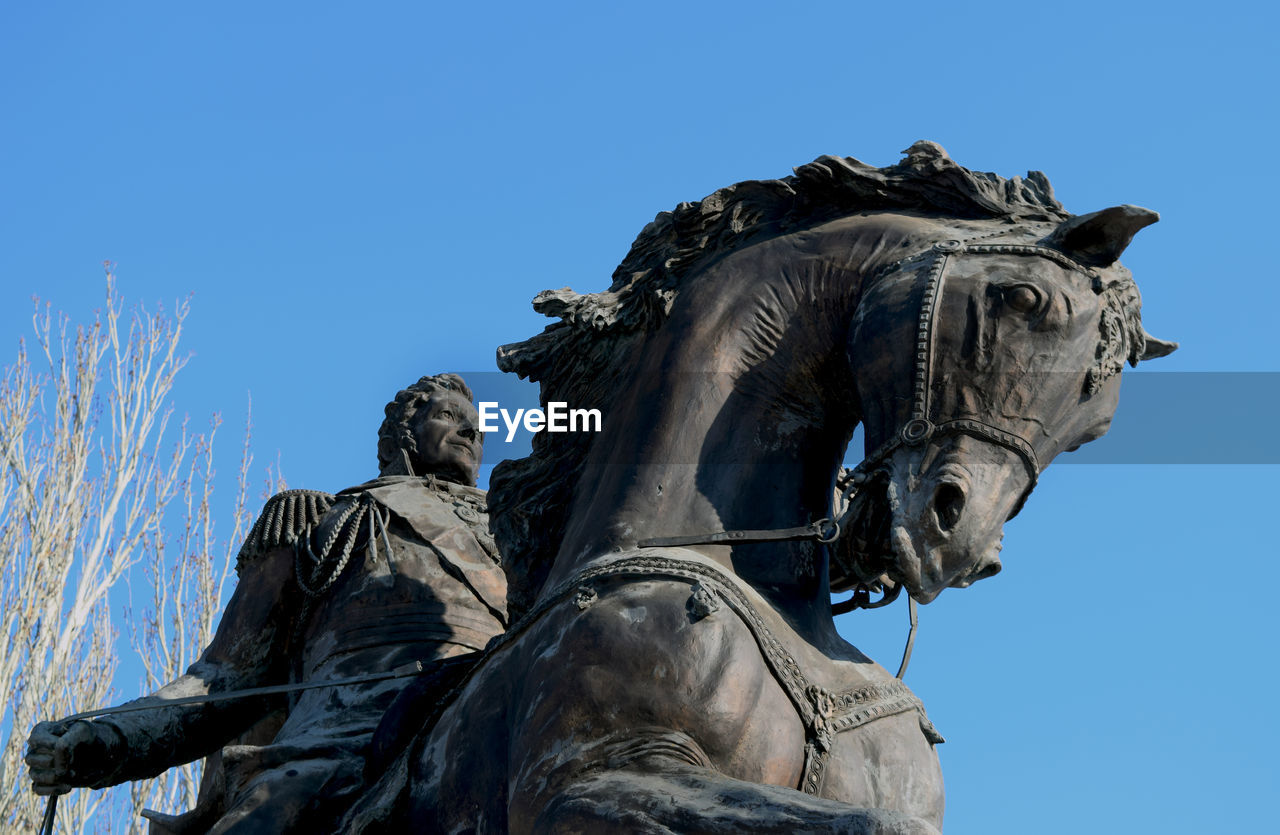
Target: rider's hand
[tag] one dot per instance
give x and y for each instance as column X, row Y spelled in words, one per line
column 63, row 755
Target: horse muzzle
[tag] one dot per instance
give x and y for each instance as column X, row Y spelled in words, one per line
column 948, row 504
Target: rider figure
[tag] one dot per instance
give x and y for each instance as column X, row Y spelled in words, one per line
column 396, row 570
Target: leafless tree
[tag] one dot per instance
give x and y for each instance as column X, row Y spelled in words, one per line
column 86, row 489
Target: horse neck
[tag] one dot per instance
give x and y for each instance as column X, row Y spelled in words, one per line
column 735, row 416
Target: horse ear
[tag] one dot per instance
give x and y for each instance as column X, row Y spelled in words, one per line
column 1156, row 348
column 1097, row 239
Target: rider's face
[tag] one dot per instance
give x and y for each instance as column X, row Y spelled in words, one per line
column 449, row 444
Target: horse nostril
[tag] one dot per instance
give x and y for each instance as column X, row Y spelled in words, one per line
column 948, row 503
column 991, row 569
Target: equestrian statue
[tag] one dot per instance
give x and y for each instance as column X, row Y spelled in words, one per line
column 664, row 658
column 673, row 664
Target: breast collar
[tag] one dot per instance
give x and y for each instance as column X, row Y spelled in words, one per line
column 824, row 713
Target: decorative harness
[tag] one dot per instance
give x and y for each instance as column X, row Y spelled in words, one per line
column 823, row 713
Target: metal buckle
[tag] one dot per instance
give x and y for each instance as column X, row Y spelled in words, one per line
column 826, row 531
column 916, row 431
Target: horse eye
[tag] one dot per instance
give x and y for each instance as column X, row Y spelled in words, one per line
column 1022, row 297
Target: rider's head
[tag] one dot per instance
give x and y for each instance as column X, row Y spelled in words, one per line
column 432, row 427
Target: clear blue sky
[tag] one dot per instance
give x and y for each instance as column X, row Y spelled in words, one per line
column 359, row 194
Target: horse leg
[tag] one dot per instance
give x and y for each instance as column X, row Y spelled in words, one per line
column 661, row 795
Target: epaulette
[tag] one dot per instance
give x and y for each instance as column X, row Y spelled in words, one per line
column 286, row 517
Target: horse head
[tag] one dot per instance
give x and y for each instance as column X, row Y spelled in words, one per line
column 1027, row 319
column 978, row 361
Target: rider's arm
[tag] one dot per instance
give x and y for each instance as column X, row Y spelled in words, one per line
column 247, row 651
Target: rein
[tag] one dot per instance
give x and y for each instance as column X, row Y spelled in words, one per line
column 413, row 668
column 823, row 530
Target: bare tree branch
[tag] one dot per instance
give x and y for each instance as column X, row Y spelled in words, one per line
column 86, row 488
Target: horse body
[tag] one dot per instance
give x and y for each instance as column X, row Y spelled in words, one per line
column 697, row 688
column 725, row 435
column 577, row 746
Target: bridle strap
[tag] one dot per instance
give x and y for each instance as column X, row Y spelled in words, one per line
column 919, row 429
column 916, row 431
column 999, row 437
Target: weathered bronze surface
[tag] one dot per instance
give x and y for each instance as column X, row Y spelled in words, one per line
column 673, row 665
column 318, row 598
column 973, row 326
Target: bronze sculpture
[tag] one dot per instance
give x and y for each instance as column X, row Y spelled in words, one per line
column 395, row 571
column 675, row 666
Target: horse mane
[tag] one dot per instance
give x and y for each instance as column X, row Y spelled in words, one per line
column 580, row 359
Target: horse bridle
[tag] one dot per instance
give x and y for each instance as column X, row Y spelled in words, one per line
column 917, row 430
